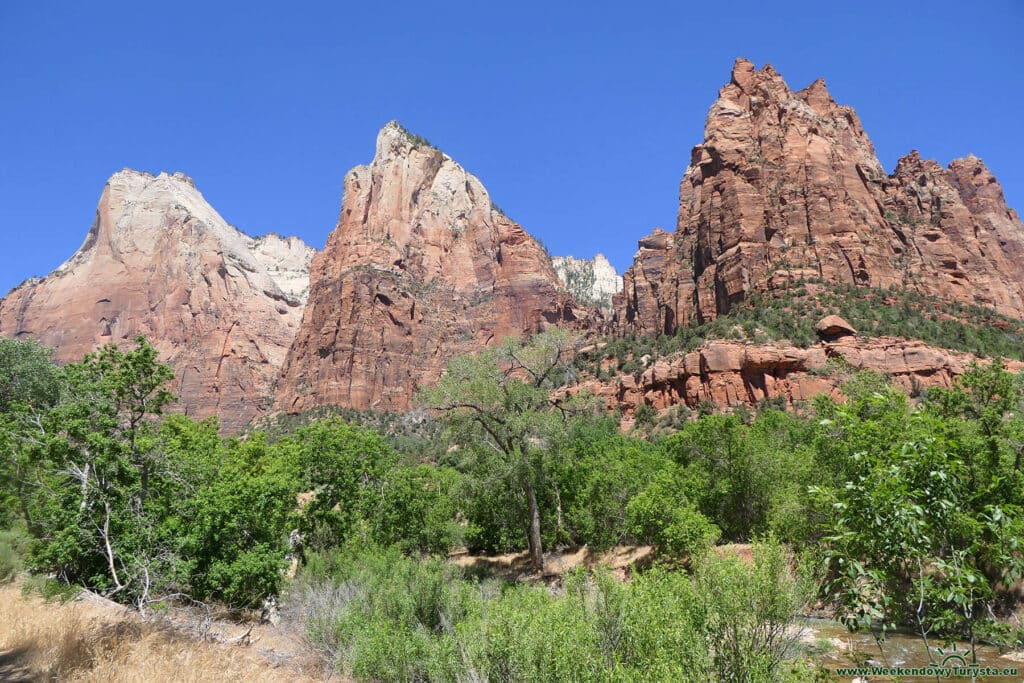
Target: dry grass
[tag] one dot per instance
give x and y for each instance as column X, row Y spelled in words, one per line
column 79, row 641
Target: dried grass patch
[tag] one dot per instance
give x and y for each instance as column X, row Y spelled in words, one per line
column 78, row 641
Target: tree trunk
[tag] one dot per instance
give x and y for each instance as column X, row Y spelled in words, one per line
column 533, row 536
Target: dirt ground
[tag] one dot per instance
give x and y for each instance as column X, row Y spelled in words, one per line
column 516, row 566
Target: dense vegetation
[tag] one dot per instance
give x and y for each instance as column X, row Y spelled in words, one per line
column 901, row 513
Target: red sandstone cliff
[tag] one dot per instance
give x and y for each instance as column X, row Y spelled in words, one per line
column 221, row 307
column 786, row 185
column 420, row 268
column 729, row 373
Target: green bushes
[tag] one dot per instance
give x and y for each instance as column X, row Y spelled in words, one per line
column 926, row 505
column 748, row 479
column 385, row 617
column 663, row 516
column 750, row 623
column 13, row 546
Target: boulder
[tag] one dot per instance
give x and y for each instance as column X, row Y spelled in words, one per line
column 833, row 327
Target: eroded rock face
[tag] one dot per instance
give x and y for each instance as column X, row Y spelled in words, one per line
column 786, row 185
column 221, row 307
column 287, row 261
column 732, row 373
column 420, row 268
column 590, row 281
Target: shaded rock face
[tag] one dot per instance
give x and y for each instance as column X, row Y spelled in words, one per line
column 221, row 307
column 420, row 268
column 731, row 373
column 786, row 185
column 590, row 281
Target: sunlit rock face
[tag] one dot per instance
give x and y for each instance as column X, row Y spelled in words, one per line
column 786, row 186
column 221, row 307
column 590, row 281
column 420, row 268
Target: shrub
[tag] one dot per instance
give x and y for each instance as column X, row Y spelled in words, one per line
column 645, row 415
column 384, row 617
column 663, row 516
column 13, row 546
column 751, row 607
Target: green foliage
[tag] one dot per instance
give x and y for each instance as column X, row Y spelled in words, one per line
column 416, row 510
column 13, row 546
column 596, row 473
column 381, row 616
column 663, row 516
column 413, row 139
column 93, row 508
column 497, row 404
column 360, row 489
column 232, row 531
column 28, row 377
column 791, row 315
column 414, row 434
column 644, row 415
column 30, row 385
column 748, row 479
column 752, row 608
column 927, row 515
column 341, row 465
column 122, row 501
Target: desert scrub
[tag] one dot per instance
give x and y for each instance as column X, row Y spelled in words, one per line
column 381, row 616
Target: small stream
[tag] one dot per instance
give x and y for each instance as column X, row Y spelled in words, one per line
column 838, row 647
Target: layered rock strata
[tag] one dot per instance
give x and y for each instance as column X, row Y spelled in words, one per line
column 221, row 307
column 729, row 373
column 786, row 186
column 420, row 268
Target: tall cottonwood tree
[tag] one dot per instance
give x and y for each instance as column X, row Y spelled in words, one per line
column 499, row 403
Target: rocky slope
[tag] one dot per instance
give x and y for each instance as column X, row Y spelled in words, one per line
column 221, row 307
column 420, row 268
column 730, row 373
column 590, row 281
column 786, row 186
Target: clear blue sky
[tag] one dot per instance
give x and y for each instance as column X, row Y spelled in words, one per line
column 578, row 117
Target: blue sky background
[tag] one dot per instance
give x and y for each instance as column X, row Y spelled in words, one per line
column 577, row 116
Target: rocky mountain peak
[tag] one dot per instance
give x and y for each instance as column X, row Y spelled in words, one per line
column 220, row 306
column 786, row 187
column 591, row 282
column 420, row 268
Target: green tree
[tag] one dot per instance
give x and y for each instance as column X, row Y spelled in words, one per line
column 498, row 404
column 232, row 522
column 91, row 510
column 30, row 385
column 663, row 515
column 342, row 466
column 918, row 536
